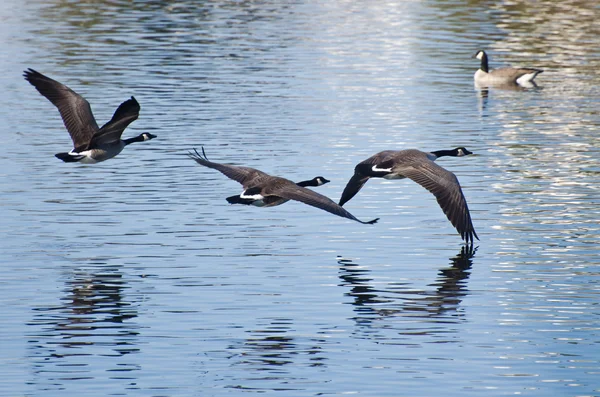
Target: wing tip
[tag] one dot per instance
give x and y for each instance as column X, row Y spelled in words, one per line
column 469, row 236
column 30, row 74
column 371, row 222
column 199, row 158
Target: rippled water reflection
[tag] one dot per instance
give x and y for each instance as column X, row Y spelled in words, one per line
column 135, row 277
column 92, row 323
column 378, row 301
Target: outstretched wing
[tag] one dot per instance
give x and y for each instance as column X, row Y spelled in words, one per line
column 244, row 175
column 353, row 186
column 364, row 170
column 291, row 191
column 74, row 109
column 446, row 189
column 110, row 132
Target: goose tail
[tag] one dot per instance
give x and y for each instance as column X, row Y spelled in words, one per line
column 239, row 200
column 68, row 157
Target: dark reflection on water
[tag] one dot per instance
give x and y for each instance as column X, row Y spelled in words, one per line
column 94, row 321
column 375, row 302
column 485, row 94
column 274, row 352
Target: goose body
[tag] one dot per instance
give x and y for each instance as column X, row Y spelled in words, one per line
column 503, row 76
column 420, row 167
column 264, row 190
column 258, row 200
column 91, row 144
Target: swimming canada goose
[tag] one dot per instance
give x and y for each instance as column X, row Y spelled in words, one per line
column 264, row 190
column 420, row 167
column 91, row 144
column 520, row 76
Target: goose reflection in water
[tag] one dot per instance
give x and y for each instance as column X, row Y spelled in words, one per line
column 483, row 92
column 272, row 346
column 91, row 321
column 374, row 301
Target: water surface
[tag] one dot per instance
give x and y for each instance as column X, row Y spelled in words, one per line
column 135, row 277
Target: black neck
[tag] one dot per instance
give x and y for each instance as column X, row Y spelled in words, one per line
column 442, row 153
column 139, row 138
column 307, row 183
column 484, row 62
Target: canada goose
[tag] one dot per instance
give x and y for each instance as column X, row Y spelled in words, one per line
column 264, row 190
column 91, row 144
column 420, row 167
column 521, row 76
column 260, row 202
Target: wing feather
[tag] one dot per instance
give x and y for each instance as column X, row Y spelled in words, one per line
column 289, row 190
column 360, row 177
column 513, row 73
column 245, row 175
column 444, row 185
column 73, row 108
column 353, row 187
column 126, row 113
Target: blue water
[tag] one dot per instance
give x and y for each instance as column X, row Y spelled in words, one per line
column 136, row 277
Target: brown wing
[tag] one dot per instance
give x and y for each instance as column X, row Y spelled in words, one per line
column 73, row 108
column 362, row 173
column 513, row 73
column 445, row 187
column 289, row 190
column 245, row 175
column 352, row 187
column 126, row 113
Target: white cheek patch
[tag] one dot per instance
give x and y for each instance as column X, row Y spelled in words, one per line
column 479, row 55
column 460, row 153
column 375, row 169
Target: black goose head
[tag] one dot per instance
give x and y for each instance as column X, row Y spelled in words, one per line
column 482, row 56
column 461, row 151
column 146, row 136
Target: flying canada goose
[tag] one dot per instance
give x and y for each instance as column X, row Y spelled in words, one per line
column 91, row 144
column 263, row 190
column 503, row 76
column 420, row 167
column 260, row 202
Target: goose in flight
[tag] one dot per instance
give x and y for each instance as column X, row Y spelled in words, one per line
column 264, row 190
column 420, row 167
column 91, row 144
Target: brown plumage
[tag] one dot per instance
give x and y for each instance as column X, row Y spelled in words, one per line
column 264, row 190
column 420, row 167
column 503, row 76
column 91, row 144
